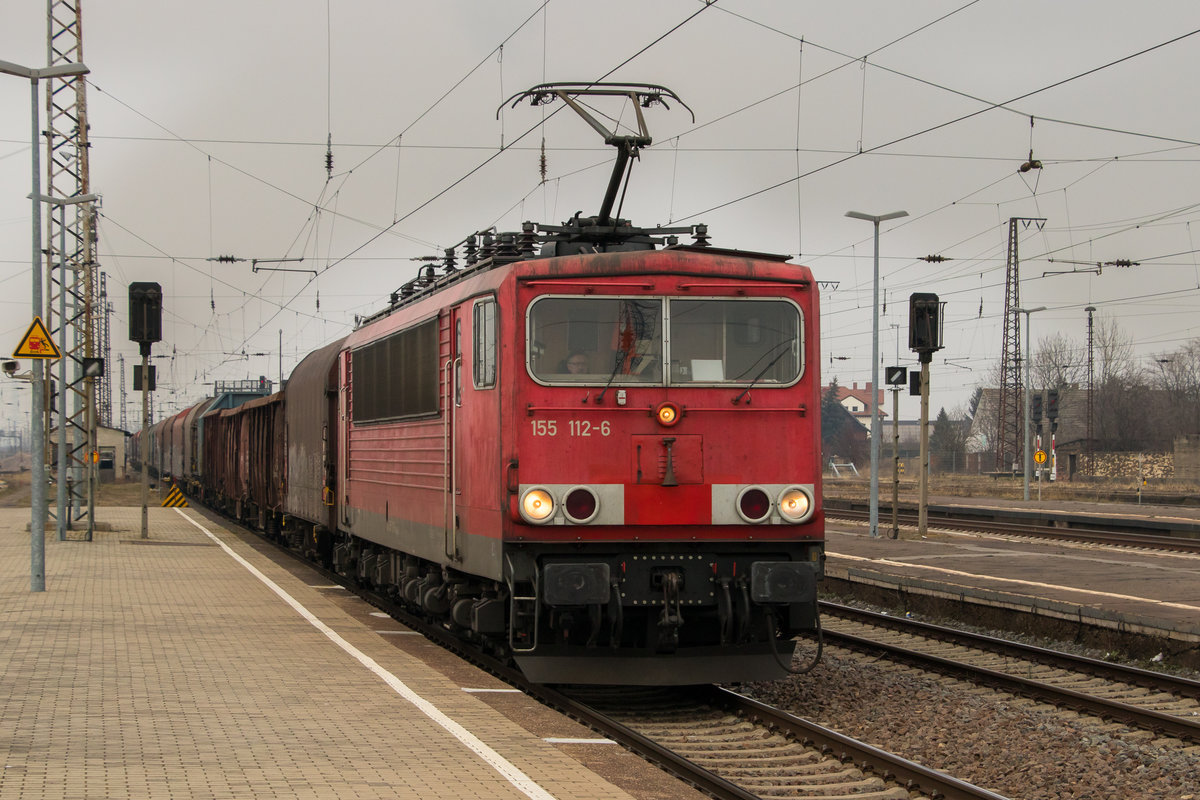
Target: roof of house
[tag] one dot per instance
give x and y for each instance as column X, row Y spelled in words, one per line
column 863, row 396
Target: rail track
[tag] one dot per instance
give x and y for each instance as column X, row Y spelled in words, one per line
column 1117, row 536
column 1166, row 705
column 730, row 746
column 726, row 745
column 754, row 750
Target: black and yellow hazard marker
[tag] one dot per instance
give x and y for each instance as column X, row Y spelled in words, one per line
column 175, row 499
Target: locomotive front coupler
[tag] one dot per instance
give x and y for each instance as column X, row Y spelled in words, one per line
column 671, row 618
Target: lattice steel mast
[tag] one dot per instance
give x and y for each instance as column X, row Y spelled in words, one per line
column 1008, row 419
column 106, row 394
column 1089, row 467
column 70, row 246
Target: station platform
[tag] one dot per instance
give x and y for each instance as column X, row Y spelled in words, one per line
column 197, row 663
column 1128, row 591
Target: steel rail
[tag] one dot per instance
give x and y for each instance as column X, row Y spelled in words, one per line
column 1145, row 678
column 913, row 776
column 1058, row 533
column 1142, row 718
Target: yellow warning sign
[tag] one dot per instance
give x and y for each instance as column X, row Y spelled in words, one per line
column 1039, row 456
column 36, row 343
column 175, row 499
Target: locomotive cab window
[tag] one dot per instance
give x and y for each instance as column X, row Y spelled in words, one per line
column 483, row 328
column 596, row 340
column 700, row 341
column 735, row 341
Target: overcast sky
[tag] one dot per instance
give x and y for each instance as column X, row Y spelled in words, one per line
column 209, row 125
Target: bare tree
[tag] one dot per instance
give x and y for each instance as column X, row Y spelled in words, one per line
column 1123, row 412
column 1059, row 362
column 1114, row 354
column 1178, row 379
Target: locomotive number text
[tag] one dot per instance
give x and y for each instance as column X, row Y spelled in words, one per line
column 575, row 427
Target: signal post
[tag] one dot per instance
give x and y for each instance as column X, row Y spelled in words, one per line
column 925, row 338
column 145, row 328
column 896, row 377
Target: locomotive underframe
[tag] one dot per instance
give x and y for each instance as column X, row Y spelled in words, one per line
column 720, row 611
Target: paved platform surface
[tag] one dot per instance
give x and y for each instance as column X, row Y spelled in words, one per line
column 190, row 665
column 1140, row 591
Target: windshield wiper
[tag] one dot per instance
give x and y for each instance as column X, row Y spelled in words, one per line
column 613, row 376
column 786, row 348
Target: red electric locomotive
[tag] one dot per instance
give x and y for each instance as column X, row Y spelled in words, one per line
column 604, row 455
column 589, row 445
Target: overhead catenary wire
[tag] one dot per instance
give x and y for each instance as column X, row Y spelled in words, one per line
column 947, row 123
column 681, row 146
column 460, row 180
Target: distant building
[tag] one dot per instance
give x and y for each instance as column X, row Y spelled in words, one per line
column 110, row 445
column 1070, row 438
column 858, row 402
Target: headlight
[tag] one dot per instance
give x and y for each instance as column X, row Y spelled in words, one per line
column 795, row 504
column 753, row 505
column 667, row 414
column 537, row 506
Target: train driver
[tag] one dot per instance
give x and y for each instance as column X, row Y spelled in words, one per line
column 576, row 364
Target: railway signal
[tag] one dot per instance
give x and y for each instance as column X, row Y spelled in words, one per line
column 925, row 338
column 145, row 328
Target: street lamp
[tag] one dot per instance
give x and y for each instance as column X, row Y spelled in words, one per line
column 875, row 220
column 1025, row 462
column 37, row 525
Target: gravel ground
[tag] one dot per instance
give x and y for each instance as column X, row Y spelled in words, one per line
column 1008, row 745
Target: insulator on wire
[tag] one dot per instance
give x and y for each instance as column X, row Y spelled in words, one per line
column 329, row 156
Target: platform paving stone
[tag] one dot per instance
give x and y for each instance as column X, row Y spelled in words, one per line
column 163, row 668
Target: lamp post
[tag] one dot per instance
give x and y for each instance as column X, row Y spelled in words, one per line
column 875, row 220
column 37, row 525
column 1025, row 462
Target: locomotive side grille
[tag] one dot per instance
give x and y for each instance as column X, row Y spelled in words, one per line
column 397, row 377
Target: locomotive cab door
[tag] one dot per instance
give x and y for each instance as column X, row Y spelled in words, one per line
column 341, row 490
column 475, row 496
column 451, row 403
